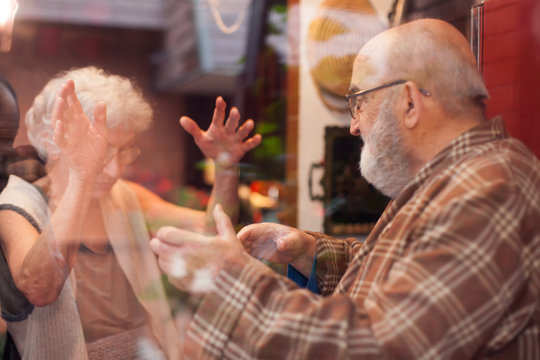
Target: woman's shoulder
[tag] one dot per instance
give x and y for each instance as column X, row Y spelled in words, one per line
column 27, row 199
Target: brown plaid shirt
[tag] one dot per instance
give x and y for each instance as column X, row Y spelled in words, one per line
column 451, row 270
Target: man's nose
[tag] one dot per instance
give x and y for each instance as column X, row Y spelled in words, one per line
column 354, row 128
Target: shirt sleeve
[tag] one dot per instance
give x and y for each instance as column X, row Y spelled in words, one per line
column 448, row 295
column 303, row 282
column 256, row 313
column 332, row 260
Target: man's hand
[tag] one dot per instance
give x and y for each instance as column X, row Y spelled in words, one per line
column 223, row 141
column 280, row 244
column 192, row 260
column 83, row 144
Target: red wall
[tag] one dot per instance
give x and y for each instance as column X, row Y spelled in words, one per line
column 512, row 66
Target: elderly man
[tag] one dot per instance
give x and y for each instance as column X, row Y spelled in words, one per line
column 450, row 270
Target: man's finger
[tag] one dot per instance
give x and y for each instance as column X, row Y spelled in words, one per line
column 243, row 234
column 155, row 245
column 223, row 224
column 249, row 233
column 288, row 243
column 175, row 236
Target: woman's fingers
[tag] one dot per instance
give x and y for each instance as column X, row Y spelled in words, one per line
column 58, row 134
column 232, row 121
column 58, row 111
column 251, row 143
column 100, row 119
column 245, row 129
column 219, row 112
column 190, row 126
column 72, row 99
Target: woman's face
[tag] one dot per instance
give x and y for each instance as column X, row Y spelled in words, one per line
column 121, row 152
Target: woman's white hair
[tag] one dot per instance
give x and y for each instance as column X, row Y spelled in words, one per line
column 126, row 107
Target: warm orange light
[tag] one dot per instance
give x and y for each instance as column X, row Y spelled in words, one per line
column 8, row 8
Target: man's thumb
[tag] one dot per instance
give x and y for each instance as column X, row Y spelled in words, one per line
column 224, row 226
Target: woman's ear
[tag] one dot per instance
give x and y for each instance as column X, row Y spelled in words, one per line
column 413, row 105
column 52, row 151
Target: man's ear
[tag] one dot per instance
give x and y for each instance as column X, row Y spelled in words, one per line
column 412, row 105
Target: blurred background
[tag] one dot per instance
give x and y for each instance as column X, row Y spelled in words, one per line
column 284, row 63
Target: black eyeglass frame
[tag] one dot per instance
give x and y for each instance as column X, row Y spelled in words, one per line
column 354, row 95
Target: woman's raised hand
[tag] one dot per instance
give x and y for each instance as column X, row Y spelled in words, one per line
column 83, row 143
column 224, row 141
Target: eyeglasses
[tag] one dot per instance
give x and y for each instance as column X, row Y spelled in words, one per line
column 356, row 99
column 123, row 156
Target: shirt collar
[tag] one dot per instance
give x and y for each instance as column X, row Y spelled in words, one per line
column 488, row 131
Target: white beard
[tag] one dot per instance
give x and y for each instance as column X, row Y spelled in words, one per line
column 383, row 161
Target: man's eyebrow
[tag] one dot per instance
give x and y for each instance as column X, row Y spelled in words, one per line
column 354, row 89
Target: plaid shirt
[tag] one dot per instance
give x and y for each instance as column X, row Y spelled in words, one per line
column 451, row 270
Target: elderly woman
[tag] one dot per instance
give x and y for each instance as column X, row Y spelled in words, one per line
column 76, row 241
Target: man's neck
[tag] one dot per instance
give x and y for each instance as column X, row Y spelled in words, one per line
column 439, row 134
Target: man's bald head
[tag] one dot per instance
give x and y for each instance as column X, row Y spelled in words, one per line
column 430, row 52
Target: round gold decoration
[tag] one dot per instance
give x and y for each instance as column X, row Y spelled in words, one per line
column 337, row 32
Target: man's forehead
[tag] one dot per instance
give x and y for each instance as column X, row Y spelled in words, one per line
column 363, row 69
column 370, row 62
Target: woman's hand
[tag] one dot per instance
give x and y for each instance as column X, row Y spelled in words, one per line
column 83, row 143
column 224, row 142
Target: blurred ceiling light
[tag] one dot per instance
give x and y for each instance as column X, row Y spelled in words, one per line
column 8, row 8
column 227, row 29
